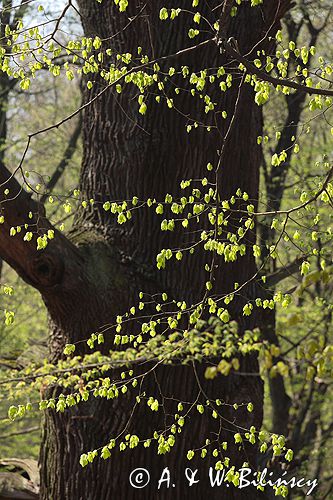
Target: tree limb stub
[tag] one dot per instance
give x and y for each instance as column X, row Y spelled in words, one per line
column 23, row 221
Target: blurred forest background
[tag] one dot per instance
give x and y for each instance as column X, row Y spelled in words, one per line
column 298, row 382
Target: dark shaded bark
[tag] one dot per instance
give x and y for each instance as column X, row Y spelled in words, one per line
column 89, row 278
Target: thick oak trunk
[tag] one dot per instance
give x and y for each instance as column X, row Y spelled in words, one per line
column 101, row 267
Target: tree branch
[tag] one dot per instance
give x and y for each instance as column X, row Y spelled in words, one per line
column 232, row 51
column 21, row 10
column 19, row 433
column 284, row 272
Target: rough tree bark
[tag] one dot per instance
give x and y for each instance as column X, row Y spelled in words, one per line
column 92, row 275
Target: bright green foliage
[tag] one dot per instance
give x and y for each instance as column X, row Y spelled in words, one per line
column 301, row 228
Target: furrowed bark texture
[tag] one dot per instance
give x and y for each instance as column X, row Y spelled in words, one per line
column 96, row 273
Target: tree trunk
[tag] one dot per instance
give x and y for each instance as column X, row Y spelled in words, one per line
column 95, row 274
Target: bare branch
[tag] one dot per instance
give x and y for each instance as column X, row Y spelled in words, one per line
column 284, row 272
column 19, row 433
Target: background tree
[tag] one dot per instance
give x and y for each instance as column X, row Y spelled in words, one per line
column 298, row 397
column 24, row 341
